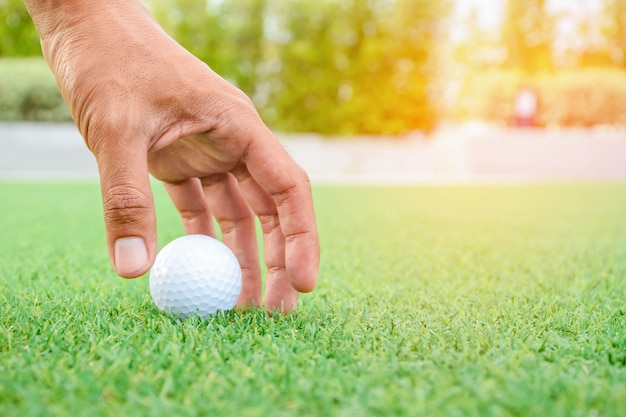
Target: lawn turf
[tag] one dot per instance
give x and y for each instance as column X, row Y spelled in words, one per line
column 433, row 301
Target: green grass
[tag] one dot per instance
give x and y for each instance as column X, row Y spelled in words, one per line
column 434, row 301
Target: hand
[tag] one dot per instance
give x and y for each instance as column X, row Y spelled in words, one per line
column 144, row 104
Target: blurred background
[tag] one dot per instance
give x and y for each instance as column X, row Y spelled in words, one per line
column 460, row 87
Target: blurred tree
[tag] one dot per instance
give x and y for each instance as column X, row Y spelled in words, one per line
column 412, row 35
column 310, row 69
column 528, row 32
column 227, row 35
column 18, row 36
column 356, row 66
column 590, row 43
column 245, row 19
column 560, row 52
column 614, row 30
column 479, row 48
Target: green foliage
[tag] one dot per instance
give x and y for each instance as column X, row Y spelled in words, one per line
column 614, row 30
column 432, row 301
column 593, row 96
column 528, row 32
column 577, row 97
column 28, row 91
column 489, row 96
column 18, row 36
column 356, row 67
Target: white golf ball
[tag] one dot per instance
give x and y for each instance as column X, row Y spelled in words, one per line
column 195, row 275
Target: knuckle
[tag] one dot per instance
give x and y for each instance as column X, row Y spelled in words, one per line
column 242, row 222
column 306, row 180
column 239, row 98
column 125, row 205
column 190, row 215
column 95, row 118
column 96, row 130
column 234, row 107
column 300, row 178
column 269, row 222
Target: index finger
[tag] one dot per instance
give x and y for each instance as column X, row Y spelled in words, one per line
column 281, row 177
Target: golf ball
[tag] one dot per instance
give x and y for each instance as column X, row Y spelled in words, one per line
column 195, row 275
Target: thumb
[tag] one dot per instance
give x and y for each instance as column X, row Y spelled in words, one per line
column 128, row 208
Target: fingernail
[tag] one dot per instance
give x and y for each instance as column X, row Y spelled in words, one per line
column 131, row 256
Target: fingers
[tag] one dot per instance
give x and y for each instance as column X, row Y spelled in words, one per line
column 236, row 221
column 290, row 189
column 128, row 209
column 279, row 292
column 222, row 196
column 188, row 198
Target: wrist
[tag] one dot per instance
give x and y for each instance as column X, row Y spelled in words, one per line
column 56, row 17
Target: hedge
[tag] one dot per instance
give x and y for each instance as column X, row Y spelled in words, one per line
column 576, row 97
column 580, row 97
column 29, row 92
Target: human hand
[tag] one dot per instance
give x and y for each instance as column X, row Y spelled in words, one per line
column 144, row 104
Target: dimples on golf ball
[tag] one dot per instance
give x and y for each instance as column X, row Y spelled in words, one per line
column 195, row 275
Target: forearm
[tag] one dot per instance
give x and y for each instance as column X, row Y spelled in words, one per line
column 60, row 20
column 85, row 28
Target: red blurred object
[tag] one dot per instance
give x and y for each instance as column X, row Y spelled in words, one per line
column 526, row 108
